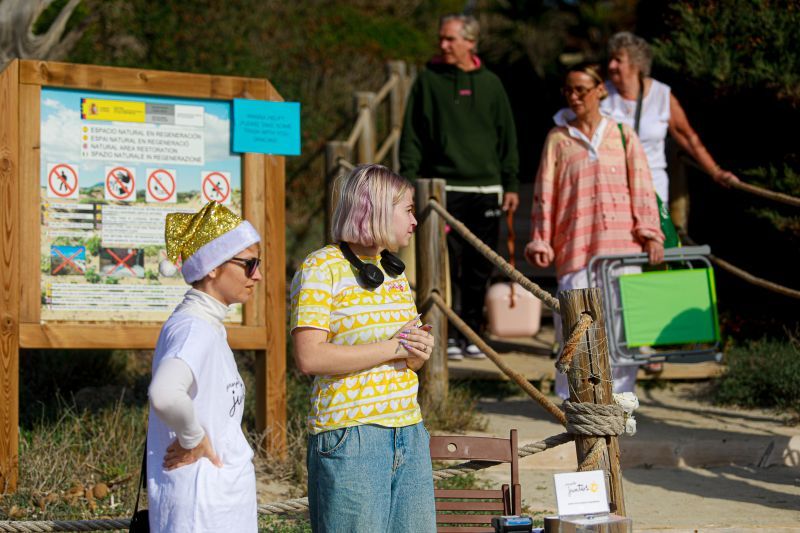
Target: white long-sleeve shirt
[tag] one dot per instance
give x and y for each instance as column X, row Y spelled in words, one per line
column 173, row 384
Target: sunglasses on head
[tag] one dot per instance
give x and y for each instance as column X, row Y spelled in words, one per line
column 250, row 265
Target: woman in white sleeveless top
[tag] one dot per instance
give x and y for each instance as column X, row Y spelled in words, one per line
column 200, row 474
column 661, row 113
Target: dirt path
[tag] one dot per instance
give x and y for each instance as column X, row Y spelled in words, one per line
column 691, row 466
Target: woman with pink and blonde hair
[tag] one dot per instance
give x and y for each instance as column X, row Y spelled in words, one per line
column 356, row 329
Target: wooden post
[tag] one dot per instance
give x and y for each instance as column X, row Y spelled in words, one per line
column 590, row 380
column 333, row 151
column 274, row 366
column 271, row 363
column 9, row 277
column 397, row 104
column 431, row 244
column 364, row 102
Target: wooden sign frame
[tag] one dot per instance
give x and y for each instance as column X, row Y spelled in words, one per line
column 263, row 193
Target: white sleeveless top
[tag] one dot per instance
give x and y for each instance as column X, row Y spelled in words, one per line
column 202, row 497
column 653, row 126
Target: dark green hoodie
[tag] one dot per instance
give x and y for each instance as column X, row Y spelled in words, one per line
column 458, row 126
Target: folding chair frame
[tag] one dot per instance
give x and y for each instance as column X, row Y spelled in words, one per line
column 474, row 509
column 603, row 266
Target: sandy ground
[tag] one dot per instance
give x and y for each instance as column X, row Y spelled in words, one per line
column 690, row 467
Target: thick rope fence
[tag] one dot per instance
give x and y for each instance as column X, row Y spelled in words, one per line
column 581, row 420
column 766, row 193
column 743, row 274
column 750, row 188
column 496, row 259
column 512, row 374
column 65, row 525
column 565, row 359
column 733, row 269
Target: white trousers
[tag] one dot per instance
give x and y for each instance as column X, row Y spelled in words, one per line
column 624, row 377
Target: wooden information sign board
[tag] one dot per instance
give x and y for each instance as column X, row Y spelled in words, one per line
column 91, row 160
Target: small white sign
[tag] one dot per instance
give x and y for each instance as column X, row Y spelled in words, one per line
column 581, row 493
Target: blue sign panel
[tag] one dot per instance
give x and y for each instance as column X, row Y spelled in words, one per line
column 266, row 127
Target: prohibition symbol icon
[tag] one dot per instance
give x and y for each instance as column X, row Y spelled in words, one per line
column 216, row 187
column 120, row 184
column 161, row 185
column 62, row 181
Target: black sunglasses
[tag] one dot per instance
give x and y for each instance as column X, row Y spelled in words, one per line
column 580, row 90
column 250, row 265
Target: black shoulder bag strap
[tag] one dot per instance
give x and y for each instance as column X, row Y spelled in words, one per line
column 140, row 521
column 639, row 98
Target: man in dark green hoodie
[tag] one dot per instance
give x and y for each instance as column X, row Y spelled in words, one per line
column 459, row 127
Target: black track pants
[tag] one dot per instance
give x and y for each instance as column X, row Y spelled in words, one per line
column 469, row 270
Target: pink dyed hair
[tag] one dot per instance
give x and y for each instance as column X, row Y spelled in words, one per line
column 366, row 197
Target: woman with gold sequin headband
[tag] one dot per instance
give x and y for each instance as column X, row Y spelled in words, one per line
column 200, row 475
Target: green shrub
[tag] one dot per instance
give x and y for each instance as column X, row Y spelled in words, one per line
column 763, row 373
column 736, row 44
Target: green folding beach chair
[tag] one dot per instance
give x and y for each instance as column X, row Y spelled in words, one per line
column 666, row 315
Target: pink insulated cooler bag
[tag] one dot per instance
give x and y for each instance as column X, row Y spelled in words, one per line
column 512, row 311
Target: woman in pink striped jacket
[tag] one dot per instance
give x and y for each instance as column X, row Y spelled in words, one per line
column 593, row 196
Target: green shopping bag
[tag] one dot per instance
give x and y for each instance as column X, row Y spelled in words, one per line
column 671, row 239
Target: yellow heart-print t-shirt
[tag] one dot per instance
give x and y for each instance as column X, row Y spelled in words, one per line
column 326, row 295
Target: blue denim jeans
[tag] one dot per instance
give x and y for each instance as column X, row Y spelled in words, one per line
column 371, row 479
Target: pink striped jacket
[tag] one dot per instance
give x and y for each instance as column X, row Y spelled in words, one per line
column 583, row 208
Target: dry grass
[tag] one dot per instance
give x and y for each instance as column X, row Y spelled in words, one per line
column 457, row 414
column 82, row 465
column 80, row 459
column 289, row 470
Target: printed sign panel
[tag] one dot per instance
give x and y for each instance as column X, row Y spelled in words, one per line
column 112, row 166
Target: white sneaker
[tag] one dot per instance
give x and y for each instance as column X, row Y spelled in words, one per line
column 454, row 352
column 473, row 352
